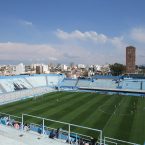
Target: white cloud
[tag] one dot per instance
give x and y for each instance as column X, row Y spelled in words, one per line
column 118, row 42
column 87, row 47
column 138, row 34
column 26, row 23
column 92, row 36
column 24, row 51
column 88, row 35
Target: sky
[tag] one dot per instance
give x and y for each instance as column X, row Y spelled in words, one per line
column 65, row 31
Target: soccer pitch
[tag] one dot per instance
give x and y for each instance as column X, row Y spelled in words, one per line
column 121, row 117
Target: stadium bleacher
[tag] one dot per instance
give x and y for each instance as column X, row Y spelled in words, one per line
column 20, row 87
column 54, row 80
column 84, row 83
column 37, row 81
column 14, row 88
column 104, row 83
column 136, row 84
column 68, row 82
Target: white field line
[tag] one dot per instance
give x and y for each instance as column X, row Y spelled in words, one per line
column 113, row 114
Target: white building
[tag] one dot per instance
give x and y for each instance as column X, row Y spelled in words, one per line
column 20, row 69
column 81, row 66
column 64, row 67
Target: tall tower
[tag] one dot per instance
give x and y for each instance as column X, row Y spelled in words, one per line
column 130, row 59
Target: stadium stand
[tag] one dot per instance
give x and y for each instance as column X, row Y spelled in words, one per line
column 21, row 87
column 135, row 84
column 106, row 77
column 11, row 136
column 17, row 132
column 23, row 94
column 13, row 84
column 14, row 88
column 60, row 135
column 37, row 81
column 54, row 80
column 104, row 83
column 127, row 86
column 84, row 83
column 68, row 82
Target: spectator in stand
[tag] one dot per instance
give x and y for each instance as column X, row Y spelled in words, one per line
column 26, row 127
column 16, row 125
column 58, row 132
column 39, row 130
column 52, row 134
column 69, row 140
column 93, row 141
column 8, row 122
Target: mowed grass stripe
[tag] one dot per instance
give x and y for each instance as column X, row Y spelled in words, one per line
column 41, row 107
column 23, row 103
column 120, row 121
column 83, row 115
column 65, row 108
column 49, row 110
column 92, row 115
column 13, row 104
column 137, row 133
column 98, row 119
column 114, row 124
column 122, row 124
column 80, row 112
column 127, row 121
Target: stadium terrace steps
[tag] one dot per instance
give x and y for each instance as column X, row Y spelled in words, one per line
column 11, row 136
column 23, row 94
column 54, row 80
column 28, row 82
column 46, row 80
column 13, row 84
column 15, row 88
column 137, row 84
column 69, row 82
column 83, row 83
column 102, row 83
column 37, row 82
column 2, row 90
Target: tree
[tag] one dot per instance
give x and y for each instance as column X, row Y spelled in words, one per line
column 117, row 69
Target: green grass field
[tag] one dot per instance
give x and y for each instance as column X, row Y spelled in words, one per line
column 121, row 117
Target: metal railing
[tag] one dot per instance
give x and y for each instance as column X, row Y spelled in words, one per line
column 117, row 141
column 64, row 123
column 68, row 132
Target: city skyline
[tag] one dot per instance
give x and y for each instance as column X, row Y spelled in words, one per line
column 87, row 32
